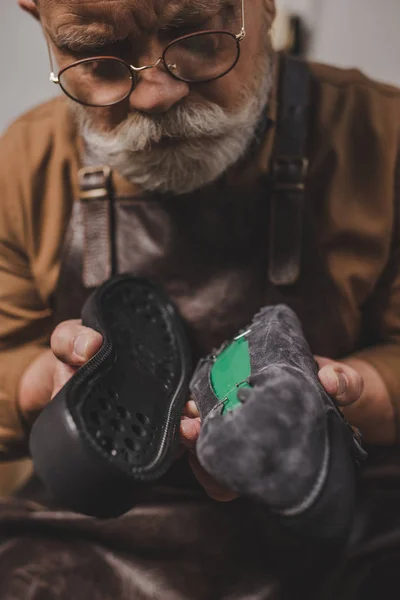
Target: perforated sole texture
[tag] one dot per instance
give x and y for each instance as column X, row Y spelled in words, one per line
column 115, row 412
column 121, row 422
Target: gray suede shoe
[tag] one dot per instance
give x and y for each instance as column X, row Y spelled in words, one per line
column 271, row 433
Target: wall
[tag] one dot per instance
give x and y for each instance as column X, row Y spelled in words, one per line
column 353, row 33
column 24, row 71
column 361, row 33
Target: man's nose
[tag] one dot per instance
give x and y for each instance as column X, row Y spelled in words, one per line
column 156, row 91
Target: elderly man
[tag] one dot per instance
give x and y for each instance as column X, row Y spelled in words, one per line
column 234, row 184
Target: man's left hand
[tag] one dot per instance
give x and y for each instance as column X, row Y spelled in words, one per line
column 190, row 429
column 343, row 383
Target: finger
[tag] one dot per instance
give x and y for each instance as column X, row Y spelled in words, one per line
column 341, row 382
column 74, row 344
column 62, row 375
column 36, row 386
column 190, row 410
column 322, row 361
column 215, row 490
column 190, row 431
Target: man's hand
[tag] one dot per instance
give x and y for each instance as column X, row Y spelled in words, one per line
column 72, row 345
column 363, row 397
column 340, row 381
column 190, row 429
column 343, row 383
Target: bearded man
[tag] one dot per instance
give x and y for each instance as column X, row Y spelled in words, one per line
column 235, row 182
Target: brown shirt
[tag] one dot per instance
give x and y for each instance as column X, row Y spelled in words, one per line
column 352, row 191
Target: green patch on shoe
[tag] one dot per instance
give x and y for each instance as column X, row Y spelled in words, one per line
column 230, row 372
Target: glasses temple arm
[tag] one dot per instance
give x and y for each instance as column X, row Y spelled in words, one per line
column 242, row 33
column 53, row 77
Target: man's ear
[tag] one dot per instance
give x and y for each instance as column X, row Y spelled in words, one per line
column 30, row 6
column 270, row 8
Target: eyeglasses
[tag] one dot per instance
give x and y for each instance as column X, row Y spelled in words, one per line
column 103, row 81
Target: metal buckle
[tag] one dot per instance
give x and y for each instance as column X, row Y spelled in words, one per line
column 289, row 173
column 242, row 335
column 95, row 192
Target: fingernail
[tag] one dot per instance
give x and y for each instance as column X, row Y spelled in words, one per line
column 342, row 384
column 81, row 345
column 193, row 408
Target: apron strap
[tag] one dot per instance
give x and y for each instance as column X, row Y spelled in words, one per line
column 289, row 169
column 97, row 212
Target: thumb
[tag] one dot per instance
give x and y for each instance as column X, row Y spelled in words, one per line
column 341, row 382
column 62, row 375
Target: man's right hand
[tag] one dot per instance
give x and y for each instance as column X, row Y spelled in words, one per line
column 72, row 345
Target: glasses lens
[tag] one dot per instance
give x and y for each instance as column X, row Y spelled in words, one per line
column 202, row 57
column 100, row 82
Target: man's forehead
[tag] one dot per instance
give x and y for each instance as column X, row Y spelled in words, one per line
column 119, row 17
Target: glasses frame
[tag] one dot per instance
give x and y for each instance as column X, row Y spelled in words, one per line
column 56, row 79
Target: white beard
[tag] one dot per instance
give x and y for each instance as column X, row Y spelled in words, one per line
column 184, row 149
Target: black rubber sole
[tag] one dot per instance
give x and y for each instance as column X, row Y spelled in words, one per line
column 115, row 425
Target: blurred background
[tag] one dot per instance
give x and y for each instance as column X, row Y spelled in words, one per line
column 349, row 33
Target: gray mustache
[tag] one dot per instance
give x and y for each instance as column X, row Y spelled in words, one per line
column 139, row 132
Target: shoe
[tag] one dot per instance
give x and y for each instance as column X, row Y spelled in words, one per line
column 271, row 433
column 115, row 424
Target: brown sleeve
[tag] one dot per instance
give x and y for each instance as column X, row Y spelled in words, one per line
column 25, row 320
column 381, row 316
